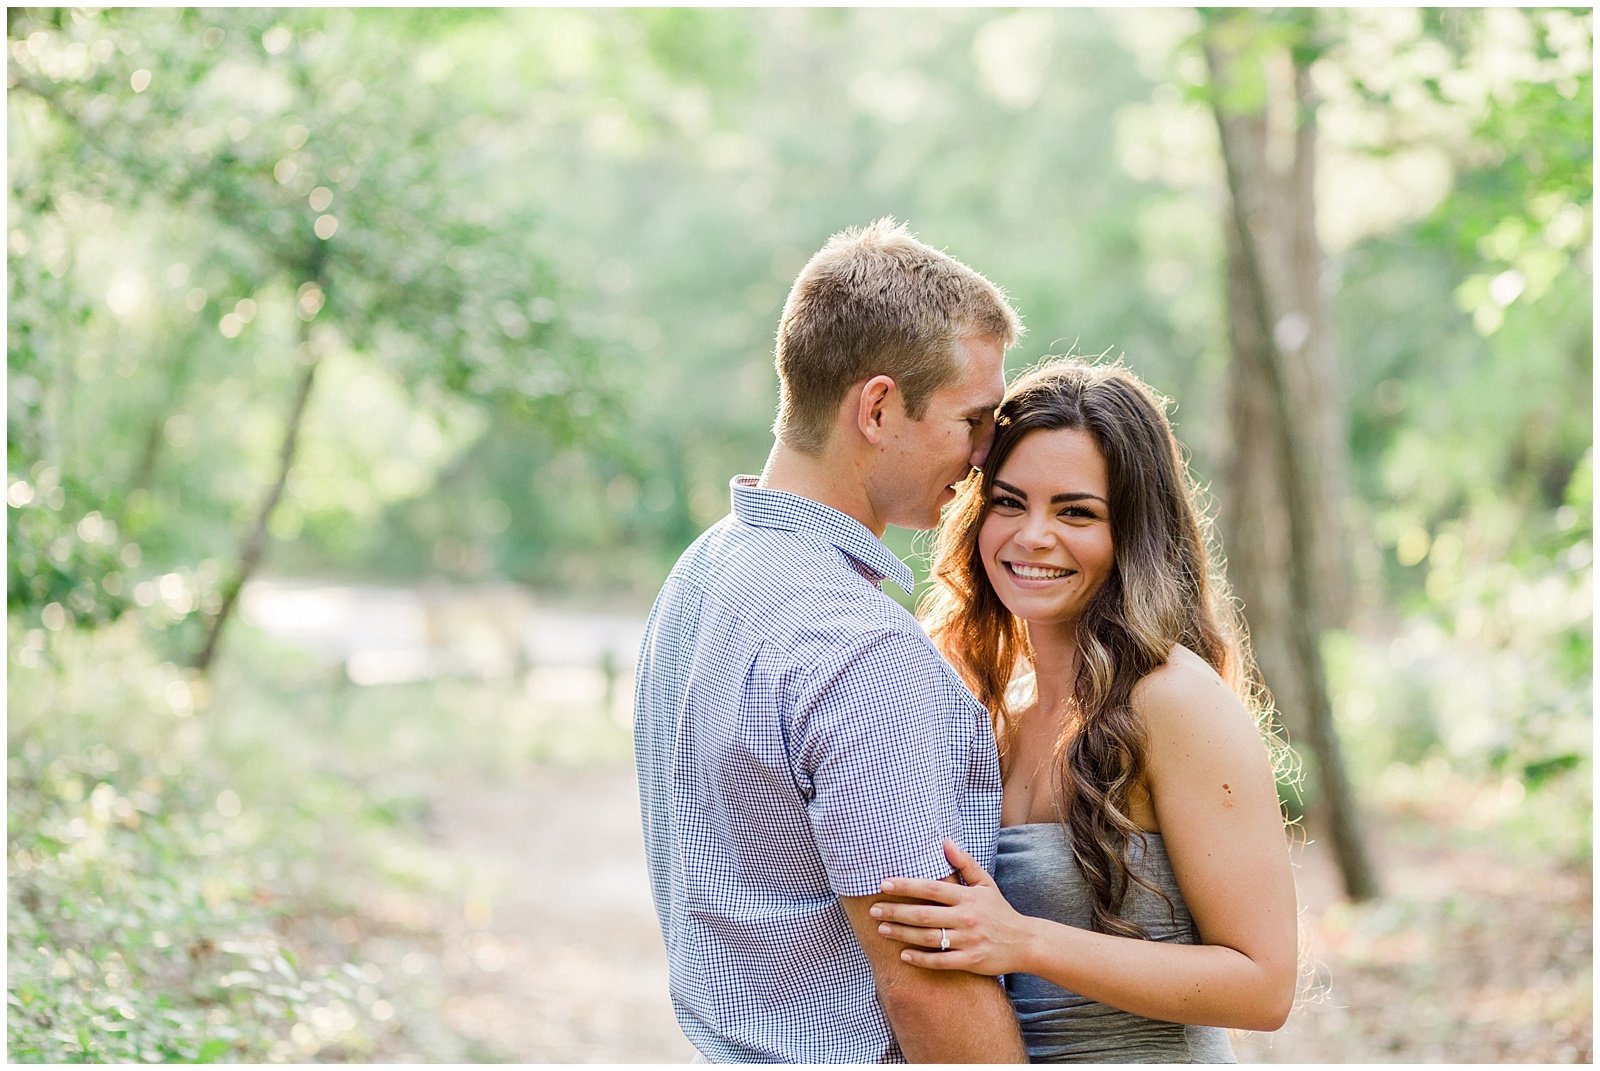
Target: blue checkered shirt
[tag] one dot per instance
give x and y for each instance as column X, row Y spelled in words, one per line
column 798, row 740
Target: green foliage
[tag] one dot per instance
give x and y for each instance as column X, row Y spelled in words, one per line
column 129, row 940
column 700, row 47
column 693, row 209
column 1472, row 444
column 144, row 899
column 58, row 570
column 1252, row 36
column 254, row 195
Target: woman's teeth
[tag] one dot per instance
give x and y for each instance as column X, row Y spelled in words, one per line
column 1036, row 572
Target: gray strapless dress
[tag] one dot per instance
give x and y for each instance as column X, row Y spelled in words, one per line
column 1039, row 876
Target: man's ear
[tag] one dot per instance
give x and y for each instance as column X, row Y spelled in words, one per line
column 871, row 401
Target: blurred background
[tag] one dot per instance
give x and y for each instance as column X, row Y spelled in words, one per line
column 368, row 369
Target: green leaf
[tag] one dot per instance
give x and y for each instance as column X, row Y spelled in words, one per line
column 211, row 1051
column 1536, row 773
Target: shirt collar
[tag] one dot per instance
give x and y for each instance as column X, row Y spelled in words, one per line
column 766, row 508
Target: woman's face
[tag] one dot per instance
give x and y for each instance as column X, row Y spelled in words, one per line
column 1046, row 539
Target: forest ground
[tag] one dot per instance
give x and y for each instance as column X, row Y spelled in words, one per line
column 1471, row 955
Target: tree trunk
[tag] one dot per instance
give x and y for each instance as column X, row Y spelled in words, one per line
column 256, row 542
column 1284, row 482
column 144, row 467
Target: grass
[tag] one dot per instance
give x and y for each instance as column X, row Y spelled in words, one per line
column 146, row 902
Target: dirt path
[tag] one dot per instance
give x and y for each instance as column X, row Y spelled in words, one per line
column 1468, row 958
column 580, row 975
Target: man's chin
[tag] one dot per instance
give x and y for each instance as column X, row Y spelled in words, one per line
column 930, row 516
column 930, row 522
column 918, row 523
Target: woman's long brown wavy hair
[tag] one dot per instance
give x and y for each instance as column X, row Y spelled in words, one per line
column 1166, row 587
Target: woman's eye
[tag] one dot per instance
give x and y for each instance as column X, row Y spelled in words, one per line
column 1078, row 513
column 1004, row 502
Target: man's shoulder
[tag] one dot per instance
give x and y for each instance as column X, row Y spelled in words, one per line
column 832, row 614
column 782, row 574
column 731, row 547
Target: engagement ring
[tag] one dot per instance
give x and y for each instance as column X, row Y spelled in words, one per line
column 944, row 939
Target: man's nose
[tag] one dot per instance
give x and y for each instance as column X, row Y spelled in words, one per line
column 980, row 450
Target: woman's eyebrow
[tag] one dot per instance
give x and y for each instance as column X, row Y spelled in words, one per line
column 1065, row 496
column 1008, row 489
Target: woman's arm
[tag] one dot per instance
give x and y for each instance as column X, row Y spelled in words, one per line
column 1216, row 802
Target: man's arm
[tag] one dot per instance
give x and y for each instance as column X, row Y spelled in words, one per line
column 940, row 1017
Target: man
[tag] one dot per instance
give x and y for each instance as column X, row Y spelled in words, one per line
column 798, row 738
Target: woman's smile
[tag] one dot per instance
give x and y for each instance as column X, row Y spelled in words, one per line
column 1031, row 574
column 1045, row 538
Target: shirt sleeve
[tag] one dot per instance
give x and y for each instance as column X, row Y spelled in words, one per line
column 883, row 744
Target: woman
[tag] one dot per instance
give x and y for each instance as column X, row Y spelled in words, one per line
column 1142, row 896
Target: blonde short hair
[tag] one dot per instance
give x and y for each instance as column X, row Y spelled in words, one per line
column 875, row 301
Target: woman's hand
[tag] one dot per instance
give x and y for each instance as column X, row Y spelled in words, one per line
column 986, row 936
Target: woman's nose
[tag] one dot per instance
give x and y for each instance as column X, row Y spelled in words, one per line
column 1035, row 532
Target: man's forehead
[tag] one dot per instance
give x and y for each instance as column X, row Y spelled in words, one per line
column 984, row 373
column 986, row 393
column 982, row 397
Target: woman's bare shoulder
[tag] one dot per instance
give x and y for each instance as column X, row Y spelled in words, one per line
column 1186, row 694
column 1183, row 672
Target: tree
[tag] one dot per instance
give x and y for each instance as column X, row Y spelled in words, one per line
column 331, row 187
column 1284, row 487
